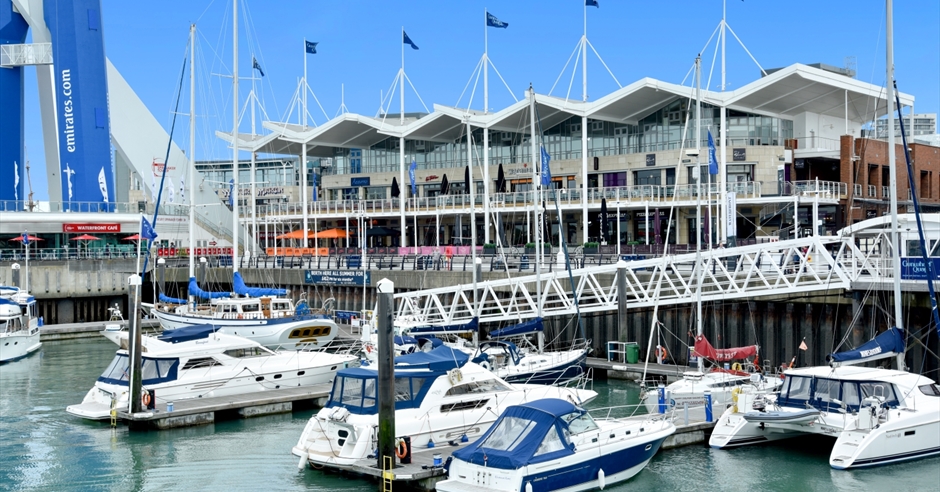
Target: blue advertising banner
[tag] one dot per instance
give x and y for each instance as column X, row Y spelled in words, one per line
column 360, row 181
column 336, row 277
column 915, row 269
column 81, row 104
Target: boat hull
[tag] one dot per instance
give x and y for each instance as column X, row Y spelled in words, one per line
column 904, row 438
column 15, row 346
column 564, row 371
column 276, row 333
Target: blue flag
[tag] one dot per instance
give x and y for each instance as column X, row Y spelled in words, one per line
column 231, row 192
column 591, row 3
column 712, row 161
column 411, row 174
column 407, row 40
column 25, row 239
column 546, row 171
column 257, row 66
column 310, row 47
column 146, row 230
column 492, row 21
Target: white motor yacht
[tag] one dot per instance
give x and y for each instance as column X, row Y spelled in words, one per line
column 440, row 397
column 19, row 324
column 213, row 365
column 551, row 444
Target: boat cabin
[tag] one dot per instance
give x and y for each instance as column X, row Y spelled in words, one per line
column 829, row 394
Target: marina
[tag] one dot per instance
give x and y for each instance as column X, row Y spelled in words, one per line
column 710, row 283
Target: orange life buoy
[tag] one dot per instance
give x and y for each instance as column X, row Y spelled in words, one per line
column 369, row 348
column 145, row 398
column 661, row 352
column 239, row 315
column 401, row 450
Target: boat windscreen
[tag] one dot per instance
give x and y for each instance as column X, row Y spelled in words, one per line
column 579, row 422
column 355, row 389
column 510, row 432
column 153, row 371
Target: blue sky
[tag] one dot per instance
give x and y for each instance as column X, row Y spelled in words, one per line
column 360, row 46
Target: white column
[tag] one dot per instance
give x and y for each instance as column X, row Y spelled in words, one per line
column 584, row 180
column 303, row 188
column 723, row 177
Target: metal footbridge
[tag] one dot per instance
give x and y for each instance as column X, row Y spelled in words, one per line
column 816, row 264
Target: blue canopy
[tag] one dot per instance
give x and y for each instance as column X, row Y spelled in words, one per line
column 405, row 340
column 530, row 326
column 195, row 291
column 6, row 301
column 355, row 389
column 509, row 347
column 171, row 300
column 889, row 343
column 187, row 333
column 238, row 284
column 434, row 341
column 472, row 325
column 513, row 440
column 442, row 358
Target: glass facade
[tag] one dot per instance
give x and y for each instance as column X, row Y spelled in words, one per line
column 661, row 130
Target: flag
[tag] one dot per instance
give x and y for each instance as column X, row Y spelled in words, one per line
column 25, row 239
column 170, row 189
column 310, row 47
column 182, row 189
column 546, row 171
column 803, row 345
column 712, row 160
column 591, row 3
column 146, row 230
column 492, row 21
column 257, row 66
column 411, row 174
column 231, row 192
column 103, row 185
column 396, row 191
column 407, row 40
column 316, row 182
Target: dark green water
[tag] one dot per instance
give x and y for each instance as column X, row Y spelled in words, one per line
column 43, row 448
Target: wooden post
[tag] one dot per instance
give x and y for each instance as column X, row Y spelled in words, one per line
column 386, row 369
column 133, row 284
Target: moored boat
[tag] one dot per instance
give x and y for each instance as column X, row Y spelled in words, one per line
column 19, row 324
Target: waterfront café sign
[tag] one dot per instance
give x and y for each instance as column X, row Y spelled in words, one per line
column 268, row 191
column 336, row 277
column 70, row 228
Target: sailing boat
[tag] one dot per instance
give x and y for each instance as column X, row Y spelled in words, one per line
column 260, row 314
column 878, row 416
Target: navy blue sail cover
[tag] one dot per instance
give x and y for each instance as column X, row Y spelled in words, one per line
column 519, row 437
column 472, row 325
column 533, row 325
column 195, row 291
column 171, row 300
column 441, row 359
column 187, row 333
column 891, row 341
column 238, row 284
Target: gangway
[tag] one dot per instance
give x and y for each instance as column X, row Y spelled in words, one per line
column 815, row 264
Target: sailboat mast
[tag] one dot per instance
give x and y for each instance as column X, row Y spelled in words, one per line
column 535, row 215
column 698, row 201
column 235, row 136
column 192, row 150
column 893, row 177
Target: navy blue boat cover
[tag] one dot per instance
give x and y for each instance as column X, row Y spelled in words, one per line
column 187, row 333
column 530, row 326
column 405, row 340
column 442, row 358
column 472, row 325
column 891, row 341
column 544, row 414
column 171, row 300
column 195, row 291
column 238, row 284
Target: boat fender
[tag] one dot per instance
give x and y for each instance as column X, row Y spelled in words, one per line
column 145, row 399
column 736, row 366
column 601, row 482
column 303, row 461
column 485, row 365
column 528, row 487
column 734, row 397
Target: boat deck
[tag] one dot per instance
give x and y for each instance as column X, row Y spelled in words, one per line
column 198, row 411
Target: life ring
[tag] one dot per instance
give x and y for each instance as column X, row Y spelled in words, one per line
column 736, row 366
column 401, row 450
column 485, row 365
column 368, row 348
column 239, row 315
column 145, row 399
column 662, row 353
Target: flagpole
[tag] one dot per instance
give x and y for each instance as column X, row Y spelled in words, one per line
column 235, row 221
column 401, row 144
column 584, row 149
column 26, row 241
column 192, row 156
column 305, row 83
column 486, row 132
column 724, row 213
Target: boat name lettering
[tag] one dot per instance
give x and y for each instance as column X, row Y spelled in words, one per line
column 869, row 353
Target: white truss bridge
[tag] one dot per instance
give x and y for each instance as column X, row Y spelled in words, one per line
column 779, row 269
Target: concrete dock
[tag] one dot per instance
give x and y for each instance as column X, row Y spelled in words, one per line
column 621, row 370
column 200, row 411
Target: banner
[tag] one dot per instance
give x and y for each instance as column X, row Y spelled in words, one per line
column 731, row 215
column 336, row 277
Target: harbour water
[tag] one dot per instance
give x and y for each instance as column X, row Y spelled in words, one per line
column 43, row 448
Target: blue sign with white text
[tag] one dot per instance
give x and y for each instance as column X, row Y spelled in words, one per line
column 336, row 277
column 915, row 269
column 366, row 181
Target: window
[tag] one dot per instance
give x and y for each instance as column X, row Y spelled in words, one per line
column 930, row 389
column 551, row 443
column 198, row 362
column 508, row 434
column 579, row 422
column 798, row 388
column 247, row 352
column 251, row 308
column 477, row 387
column 464, row 405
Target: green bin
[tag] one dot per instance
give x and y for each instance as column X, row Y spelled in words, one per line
column 633, row 353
